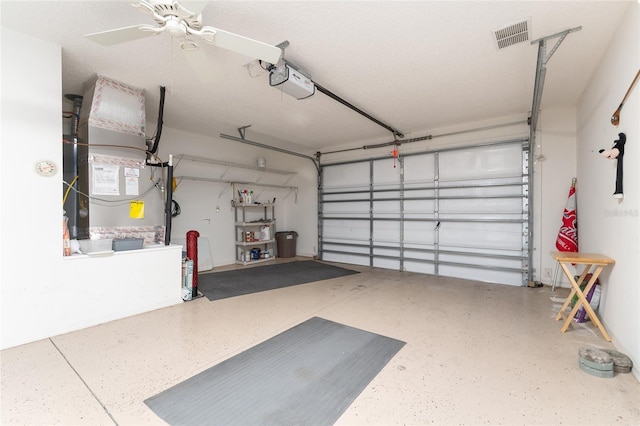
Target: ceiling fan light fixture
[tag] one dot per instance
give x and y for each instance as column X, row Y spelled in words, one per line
column 175, row 27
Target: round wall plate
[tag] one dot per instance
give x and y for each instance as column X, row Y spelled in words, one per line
column 46, row 168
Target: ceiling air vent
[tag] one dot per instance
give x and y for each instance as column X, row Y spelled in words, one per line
column 512, row 34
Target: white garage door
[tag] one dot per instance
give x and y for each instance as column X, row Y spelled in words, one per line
column 457, row 213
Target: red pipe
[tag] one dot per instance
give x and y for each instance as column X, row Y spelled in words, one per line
column 192, row 253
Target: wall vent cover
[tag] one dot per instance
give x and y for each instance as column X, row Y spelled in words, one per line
column 512, row 34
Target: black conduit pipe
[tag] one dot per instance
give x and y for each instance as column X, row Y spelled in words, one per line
column 168, row 204
column 156, row 138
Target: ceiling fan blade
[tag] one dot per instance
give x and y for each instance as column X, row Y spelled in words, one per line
column 244, row 45
column 199, row 64
column 120, row 35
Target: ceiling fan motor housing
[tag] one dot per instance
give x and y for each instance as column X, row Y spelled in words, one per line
column 167, row 9
column 175, row 28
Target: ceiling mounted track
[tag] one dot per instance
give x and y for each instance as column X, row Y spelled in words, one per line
column 394, row 132
column 274, row 70
column 425, row 138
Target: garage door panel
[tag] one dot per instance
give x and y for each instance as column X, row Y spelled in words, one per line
column 386, row 231
column 346, row 258
column 419, row 233
column 487, row 275
column 481, row 235
column 355, row 175
column 461, row 212
column 419, row 267
column 488, row 206
column 481, row 163
column 419, row 169
column 347, row 230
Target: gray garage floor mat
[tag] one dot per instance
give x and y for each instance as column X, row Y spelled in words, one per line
column 221, row 285
column 307, row 375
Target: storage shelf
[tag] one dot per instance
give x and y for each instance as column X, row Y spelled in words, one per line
column 248, row 219
column 238, row 204
column 254, row 262
column 253, row 243
column 255, row 223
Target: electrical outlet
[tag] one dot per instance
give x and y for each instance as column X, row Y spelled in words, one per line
column 547, row 273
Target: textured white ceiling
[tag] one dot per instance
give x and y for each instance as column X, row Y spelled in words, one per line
column 414, row 65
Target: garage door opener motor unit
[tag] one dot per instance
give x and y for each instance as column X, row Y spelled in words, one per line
column 291, row 81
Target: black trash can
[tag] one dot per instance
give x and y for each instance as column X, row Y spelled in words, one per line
column 286, row 242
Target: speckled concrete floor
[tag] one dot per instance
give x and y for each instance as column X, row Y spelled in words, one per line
column 476, row 353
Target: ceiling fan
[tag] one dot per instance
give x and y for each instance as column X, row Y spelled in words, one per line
column 186, row 24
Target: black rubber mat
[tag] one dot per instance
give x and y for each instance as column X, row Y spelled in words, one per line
column 307, row 375
column 221, row 285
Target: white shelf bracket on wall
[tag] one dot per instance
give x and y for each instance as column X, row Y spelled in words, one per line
column 292, row 189
column 231, row 165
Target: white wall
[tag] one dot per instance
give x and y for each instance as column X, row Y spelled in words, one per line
column 206, row 206
column 43, row 293
column 554, row 168
column 607, row 225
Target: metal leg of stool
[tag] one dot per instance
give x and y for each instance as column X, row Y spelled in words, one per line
column 555, row 277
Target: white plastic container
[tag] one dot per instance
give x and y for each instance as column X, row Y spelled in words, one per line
column 265, row 233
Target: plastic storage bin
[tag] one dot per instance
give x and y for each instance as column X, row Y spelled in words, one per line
column 95, row 246
column 286, row 243
column 123, row 244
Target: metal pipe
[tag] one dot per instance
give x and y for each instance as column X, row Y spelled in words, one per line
column 169, row 203
column 75, row 118
column 478, row 129
column 429, row 151
column 424, row 138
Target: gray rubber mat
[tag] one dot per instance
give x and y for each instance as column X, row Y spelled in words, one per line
column 220, row 285
column 307, row 375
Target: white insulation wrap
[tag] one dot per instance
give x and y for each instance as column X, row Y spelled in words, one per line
column 116, row 106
